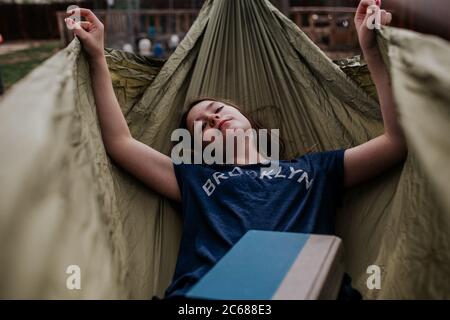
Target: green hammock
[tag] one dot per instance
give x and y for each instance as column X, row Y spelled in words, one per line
column 63, row 202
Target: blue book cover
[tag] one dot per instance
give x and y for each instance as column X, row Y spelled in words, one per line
column 266, row 265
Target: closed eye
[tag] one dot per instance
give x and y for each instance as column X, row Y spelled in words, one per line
column 217, row 111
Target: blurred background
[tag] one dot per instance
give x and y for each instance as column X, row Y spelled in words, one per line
column 33, row 30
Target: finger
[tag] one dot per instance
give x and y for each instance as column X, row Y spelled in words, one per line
column 86, row 25
column 361, row 11
column 386, row 18
column 89, row 15
column 389, row 18
column 362, row 7
column 76, row 28
column 80, row 33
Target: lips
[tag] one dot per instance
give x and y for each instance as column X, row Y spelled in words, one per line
column 221, row 124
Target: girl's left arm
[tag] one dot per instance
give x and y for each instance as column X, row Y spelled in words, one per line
column 375, row 156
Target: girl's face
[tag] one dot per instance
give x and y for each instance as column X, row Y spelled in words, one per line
column 217, row 115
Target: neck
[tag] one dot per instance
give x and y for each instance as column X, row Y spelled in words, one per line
column 249, row 154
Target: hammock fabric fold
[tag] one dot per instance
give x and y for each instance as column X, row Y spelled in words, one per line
column 63, row 202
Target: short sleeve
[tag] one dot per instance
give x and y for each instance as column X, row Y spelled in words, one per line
column 179, row 170
column 332, row 164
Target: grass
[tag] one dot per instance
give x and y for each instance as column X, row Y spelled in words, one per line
column 16, row 65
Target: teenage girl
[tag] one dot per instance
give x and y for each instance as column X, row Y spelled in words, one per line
column 221, row 202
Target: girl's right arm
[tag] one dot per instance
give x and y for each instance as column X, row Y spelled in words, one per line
column 152, row 167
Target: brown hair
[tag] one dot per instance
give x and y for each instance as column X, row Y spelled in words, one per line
column 253, row 122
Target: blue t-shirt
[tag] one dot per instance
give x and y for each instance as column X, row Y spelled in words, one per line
column 220, row 203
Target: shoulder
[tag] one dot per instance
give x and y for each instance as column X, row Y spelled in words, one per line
column 322, row 156
column 191, row 169
column 330, row 161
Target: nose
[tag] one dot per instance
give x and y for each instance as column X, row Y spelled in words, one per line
column 213, row 119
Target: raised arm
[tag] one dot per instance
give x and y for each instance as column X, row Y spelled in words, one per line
column 147, row 164
column 373, row 157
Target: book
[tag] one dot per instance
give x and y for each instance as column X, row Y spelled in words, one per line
column 272, row 265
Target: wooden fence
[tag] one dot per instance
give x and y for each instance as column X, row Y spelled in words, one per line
column 40, row 21
column 126, row 24
column 331, row 28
